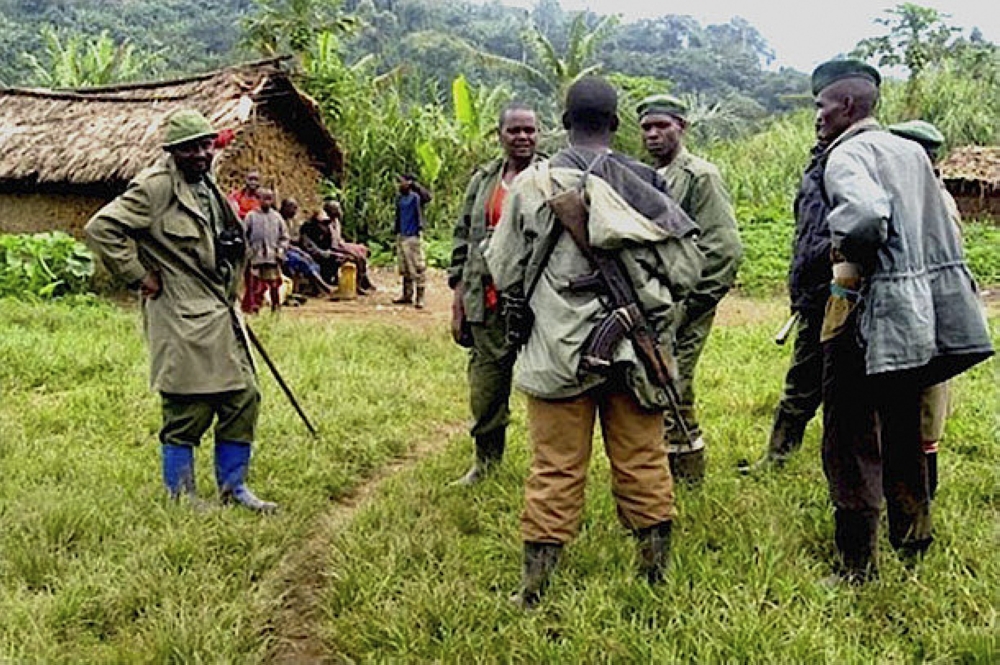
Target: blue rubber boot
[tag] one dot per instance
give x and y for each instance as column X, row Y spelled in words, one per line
column 232, row 461
column 178, row 469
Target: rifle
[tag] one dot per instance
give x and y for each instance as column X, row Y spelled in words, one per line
column 626, row 319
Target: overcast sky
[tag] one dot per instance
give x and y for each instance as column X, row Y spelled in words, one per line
column 802, row 34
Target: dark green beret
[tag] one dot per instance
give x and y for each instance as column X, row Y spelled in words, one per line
column 667, row 104
column 836, row 70
column 920, row 131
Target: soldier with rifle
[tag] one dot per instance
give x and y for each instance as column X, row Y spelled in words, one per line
column 591, row 259
column 173, row 235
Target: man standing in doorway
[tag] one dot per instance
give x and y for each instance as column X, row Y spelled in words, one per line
column 697, row 186
column 476, row 321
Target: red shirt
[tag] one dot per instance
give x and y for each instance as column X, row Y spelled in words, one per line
column 494, row 210
column 244, row 201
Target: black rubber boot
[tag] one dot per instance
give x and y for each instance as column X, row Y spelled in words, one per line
column 419, row 302
column 407, row 297
column 855, row 533
column 489, row 453
column 540, row 560
column 786, row 439
column 654, row 551
column 688, row 467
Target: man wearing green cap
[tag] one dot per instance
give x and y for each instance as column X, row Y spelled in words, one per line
column 697, row 185
column 173, row 235
column 902, row 315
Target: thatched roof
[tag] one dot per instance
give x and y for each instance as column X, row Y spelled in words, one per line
column 974, row 164
column 109, row 133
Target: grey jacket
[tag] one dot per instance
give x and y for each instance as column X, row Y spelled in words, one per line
column 920, row 309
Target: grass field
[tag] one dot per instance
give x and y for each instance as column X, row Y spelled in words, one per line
column 97, row 566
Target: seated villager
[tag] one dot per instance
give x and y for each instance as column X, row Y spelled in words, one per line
column 316, row 238
column 298, row 264
column 354, row 252
column 319, row 237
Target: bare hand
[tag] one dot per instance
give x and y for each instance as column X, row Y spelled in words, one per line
column 150, row 285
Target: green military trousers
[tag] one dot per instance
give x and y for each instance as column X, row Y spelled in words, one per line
column 186, row 418
column 691, row 339
column 491, row 369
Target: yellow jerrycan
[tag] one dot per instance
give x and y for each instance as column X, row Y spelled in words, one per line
column 347, row 282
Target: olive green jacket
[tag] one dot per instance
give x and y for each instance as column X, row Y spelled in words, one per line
column 468, row 267
column 158, row 225
column 697, row 185
column 662, row 266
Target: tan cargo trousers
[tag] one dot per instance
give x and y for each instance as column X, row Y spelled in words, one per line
column 561, row 435
column 412, row 265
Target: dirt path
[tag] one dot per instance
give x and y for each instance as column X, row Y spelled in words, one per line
column 734, row 311
column 300, row 579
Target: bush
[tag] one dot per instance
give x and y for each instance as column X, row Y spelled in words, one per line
column 982, row 251
column 44, row 266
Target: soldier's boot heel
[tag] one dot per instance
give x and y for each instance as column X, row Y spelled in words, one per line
column 407, row 297
column 489, row 453
column 688, row 466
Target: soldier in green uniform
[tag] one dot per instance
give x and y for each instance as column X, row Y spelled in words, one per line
column 476, row 321
column 696, row 184
column 173, row 235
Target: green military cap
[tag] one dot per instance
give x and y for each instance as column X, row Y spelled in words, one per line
column 836, row 70
column 667, row 104
column 920, row 131
column 187, row 125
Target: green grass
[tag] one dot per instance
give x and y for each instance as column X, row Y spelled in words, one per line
column 424, row 574
column 97, row 566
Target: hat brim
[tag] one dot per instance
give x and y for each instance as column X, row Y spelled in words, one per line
column 189, row 139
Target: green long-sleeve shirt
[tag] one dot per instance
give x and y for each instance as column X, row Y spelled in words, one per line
column 696, row 184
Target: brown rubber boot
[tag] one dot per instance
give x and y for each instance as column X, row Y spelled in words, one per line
column 419, row 304
column 407, row 297
column 540, row 560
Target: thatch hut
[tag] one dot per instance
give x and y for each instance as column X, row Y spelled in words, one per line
column 64, row 153
column 972, row 175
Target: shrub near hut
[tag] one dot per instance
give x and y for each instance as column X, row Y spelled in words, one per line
column 44, row 265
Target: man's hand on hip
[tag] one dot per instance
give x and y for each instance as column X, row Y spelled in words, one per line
column 150, row 285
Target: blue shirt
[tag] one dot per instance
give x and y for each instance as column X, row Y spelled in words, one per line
column 408, row 217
